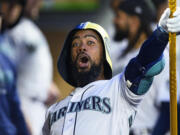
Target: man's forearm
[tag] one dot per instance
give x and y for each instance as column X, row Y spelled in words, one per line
column 153, row 48
column 140, row 71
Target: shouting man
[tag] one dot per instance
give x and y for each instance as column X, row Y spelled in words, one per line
column 100, row 104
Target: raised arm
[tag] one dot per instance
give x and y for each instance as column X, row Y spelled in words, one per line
column 149, row 62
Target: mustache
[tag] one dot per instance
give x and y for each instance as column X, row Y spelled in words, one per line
column 119, row 35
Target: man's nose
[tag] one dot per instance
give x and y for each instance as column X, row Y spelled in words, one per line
column 83, row 47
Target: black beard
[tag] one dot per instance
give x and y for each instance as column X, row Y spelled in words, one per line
column 120, row 35
column 80, row 79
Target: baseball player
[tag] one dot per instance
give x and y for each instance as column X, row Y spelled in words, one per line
column 11, row 118
column 100, row 104
column 32, row 58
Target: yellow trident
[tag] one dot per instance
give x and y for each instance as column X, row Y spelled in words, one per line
column 173, row 83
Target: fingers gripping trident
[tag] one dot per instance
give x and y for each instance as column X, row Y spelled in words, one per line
column 173, row 82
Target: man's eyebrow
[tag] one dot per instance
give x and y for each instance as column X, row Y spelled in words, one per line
column 75, row 37
column 88, row 35
column 91, row 36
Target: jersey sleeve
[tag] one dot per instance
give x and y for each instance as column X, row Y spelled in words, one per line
column 123, row 101
column 132, row 99
column 123, row 94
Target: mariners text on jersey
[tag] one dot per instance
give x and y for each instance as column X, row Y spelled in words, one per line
column 93, row 103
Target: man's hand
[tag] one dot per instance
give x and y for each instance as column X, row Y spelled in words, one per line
column 170, row 24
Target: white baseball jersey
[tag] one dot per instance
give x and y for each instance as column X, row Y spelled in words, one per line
column 104, row 107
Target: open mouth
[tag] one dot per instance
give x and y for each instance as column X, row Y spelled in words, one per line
column 83, row 61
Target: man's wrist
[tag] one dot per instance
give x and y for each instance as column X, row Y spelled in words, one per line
column 161, row 34
column 162, row 29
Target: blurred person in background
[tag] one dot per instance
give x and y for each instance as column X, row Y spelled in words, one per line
column 11, row 117
column 162, row 125
column 160, row 6
column 31, row 14
column 132, row 21
column 32, row 59
column 133, row 24
column 114, row 4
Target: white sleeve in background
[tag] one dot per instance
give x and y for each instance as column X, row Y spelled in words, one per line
column 178, row 3
column 33, row 60
column 162, row 81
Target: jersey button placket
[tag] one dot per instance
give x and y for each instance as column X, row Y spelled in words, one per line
column 69, row 124
column 70, row 116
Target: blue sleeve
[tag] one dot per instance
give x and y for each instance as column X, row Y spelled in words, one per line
column 16, row 113
column 149, row 62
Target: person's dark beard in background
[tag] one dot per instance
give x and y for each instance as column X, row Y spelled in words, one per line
column 123, row 34
column 120, row 34
column 83, row 78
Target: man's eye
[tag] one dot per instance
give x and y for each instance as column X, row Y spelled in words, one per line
column 75, row 44
column 90, row 42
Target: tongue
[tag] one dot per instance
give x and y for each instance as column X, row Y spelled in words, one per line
column 83, row 65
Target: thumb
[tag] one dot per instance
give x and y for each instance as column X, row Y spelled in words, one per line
column 166, row 13
column 164, row 18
